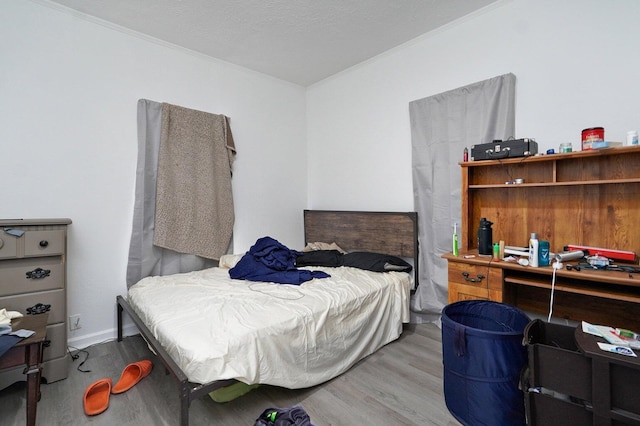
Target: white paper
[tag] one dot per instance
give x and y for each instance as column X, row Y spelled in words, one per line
column 616, row 349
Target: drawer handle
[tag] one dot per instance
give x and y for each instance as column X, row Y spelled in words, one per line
column 38, row 273
column 44, row 243
column 473, row 280
column 38, row 308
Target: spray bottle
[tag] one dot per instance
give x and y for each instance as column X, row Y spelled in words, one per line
column 455, row 239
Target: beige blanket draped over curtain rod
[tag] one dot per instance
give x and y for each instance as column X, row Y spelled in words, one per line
column 183, row 212
column 194, row 201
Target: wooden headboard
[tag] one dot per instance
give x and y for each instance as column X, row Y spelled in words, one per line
column 394, row 233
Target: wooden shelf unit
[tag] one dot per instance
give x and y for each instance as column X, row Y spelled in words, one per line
column 589, row 198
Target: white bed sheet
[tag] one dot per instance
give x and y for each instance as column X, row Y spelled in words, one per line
column 217, row 328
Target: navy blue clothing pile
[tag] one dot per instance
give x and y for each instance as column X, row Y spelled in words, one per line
column 271, row 261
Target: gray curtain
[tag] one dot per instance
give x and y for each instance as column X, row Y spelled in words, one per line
column 441, row 127
column 145, row 259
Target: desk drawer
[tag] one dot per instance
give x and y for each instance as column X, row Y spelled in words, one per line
column 474, row 275
column 30, row 275
column 468, row 281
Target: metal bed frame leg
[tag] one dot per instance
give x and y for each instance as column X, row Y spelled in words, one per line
column 186, row 393
column 119, row 322
column 185, row 402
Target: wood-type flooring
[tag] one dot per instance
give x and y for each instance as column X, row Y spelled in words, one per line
column 401, row 384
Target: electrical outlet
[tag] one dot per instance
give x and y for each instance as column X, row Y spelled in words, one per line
column 74, row 322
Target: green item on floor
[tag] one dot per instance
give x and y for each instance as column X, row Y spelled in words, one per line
column 231, row 392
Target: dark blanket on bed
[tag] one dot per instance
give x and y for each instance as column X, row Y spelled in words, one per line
column 376, row 262
column 271, row 261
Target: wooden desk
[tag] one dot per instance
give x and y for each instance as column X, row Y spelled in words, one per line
column 599, row 297
column 28, row 352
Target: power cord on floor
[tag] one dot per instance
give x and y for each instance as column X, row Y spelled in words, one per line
column 76, row 356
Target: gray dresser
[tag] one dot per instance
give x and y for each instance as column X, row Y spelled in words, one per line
column 33, row 279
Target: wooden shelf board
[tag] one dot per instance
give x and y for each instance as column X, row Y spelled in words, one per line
column 605, row 292
column 555, row 157
column 547, row 184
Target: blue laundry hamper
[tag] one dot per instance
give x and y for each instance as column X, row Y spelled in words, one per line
column 483, row 357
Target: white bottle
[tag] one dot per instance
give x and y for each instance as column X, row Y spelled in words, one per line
column 533, row 250
column 632, row 137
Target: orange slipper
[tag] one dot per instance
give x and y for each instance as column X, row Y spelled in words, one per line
column 131, row 375
column 96, row 397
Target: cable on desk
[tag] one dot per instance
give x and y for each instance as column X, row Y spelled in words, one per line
column 488, row 272
column 556, row 266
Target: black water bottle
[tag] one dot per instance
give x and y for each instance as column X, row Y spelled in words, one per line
column 485, row 237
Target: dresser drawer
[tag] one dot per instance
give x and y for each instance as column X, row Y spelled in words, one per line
column 8, row 246
column 14, row 275
column 55, row 360
column 44, row 243
column 33, row 243
column 55, row 298
column 57, row 338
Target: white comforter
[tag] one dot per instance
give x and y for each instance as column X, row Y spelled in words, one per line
column 292, row 336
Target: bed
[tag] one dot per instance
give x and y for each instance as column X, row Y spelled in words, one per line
column 283, row 335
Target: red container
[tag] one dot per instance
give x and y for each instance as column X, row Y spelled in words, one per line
column 593, row 134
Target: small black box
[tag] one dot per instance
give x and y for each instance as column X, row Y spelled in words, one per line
column 504, row 149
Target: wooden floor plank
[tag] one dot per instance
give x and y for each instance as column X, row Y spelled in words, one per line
column 401, row 384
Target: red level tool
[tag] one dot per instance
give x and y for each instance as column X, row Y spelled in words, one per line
column 626, row 256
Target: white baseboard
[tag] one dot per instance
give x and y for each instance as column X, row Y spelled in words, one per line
column 84, row 341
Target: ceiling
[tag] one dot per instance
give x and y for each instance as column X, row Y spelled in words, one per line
column 300, row 41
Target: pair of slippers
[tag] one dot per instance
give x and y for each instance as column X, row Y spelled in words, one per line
column 96, row 396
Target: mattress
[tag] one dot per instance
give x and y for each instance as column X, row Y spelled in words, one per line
column 292, row 336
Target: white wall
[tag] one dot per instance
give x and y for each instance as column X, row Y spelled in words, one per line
column 69, row 86
column 68, row 93
column 577, row 65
